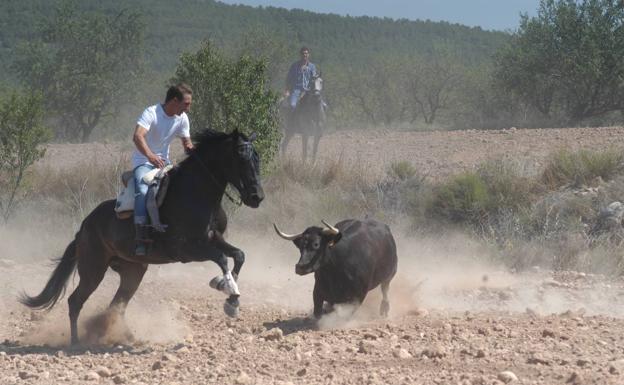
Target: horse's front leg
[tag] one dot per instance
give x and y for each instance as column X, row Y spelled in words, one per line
column 227, row 283
column 229, row 250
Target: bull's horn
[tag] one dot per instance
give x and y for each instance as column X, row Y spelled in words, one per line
column 287, row 237
column 334, row 230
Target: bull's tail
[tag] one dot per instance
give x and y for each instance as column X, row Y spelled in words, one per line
column 55, row 287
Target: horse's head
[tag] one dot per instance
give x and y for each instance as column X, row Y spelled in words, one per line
column 244, row 172
column 317, row 85
column 231, row 158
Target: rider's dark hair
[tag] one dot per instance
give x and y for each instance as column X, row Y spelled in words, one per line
column 304, row 48
column 178, row 91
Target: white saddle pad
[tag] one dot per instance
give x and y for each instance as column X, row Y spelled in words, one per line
column 125, row 198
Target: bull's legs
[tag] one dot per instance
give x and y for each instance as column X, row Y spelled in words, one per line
column 318, row 300
column 384, row 308
column 91, row 273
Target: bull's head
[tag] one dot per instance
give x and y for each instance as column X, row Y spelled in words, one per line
column 313, row 244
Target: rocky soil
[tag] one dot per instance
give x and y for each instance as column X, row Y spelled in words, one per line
column 455, row 318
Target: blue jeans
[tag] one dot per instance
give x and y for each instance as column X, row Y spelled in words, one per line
column 140, row 192
column 294, row 97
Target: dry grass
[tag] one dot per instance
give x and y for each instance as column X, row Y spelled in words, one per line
column 526, row 223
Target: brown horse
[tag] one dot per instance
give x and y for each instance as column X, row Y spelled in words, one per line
column 195, row 219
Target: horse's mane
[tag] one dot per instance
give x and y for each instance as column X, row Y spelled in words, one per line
column 209, row 137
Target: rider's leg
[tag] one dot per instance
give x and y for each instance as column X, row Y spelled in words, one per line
column 140, row 209
column 293, row 100
column 294, row 97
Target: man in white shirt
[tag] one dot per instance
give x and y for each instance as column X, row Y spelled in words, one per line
column 155, row 130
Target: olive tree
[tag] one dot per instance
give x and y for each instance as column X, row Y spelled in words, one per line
column 231, row 94
column 87, row 64
column 568, row 61
column 21, row 136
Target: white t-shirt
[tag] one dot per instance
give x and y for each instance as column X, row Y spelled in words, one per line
column 161, row 130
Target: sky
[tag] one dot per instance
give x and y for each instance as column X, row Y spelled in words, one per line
column 487, row 14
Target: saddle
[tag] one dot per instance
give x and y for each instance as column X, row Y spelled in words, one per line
column 158, row 181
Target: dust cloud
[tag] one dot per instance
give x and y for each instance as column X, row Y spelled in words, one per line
column 448, row 273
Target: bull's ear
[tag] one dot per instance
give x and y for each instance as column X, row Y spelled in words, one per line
column 297, row 242
column 334, row 239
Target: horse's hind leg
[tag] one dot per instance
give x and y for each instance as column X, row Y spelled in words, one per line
column 287, row 137
column 384, row 309
column 317, row 139
column 304, row 147
column 131, row 275
column 91, row 272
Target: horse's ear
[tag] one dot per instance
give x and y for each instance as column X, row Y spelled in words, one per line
column 253, row 136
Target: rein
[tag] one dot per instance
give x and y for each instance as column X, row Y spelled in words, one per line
column 214, row 179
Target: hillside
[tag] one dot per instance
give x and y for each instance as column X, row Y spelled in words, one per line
column 174, row 27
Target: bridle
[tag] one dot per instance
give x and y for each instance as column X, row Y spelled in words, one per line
column 246, row 149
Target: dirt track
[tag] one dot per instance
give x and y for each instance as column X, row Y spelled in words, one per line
column 454, row 319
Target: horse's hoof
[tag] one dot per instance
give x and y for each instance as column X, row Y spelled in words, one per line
column 231, row 307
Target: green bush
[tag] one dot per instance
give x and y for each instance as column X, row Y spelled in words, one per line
column 402, row 170
column 464, row 198
column 231, row 95
column 508, row 188
column 22, row 135
column 581, row 167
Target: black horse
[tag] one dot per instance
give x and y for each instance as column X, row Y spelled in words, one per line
column 196, row 222
column 308, row 119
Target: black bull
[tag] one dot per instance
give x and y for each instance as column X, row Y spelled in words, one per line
column 348, row 261
column 196, row 221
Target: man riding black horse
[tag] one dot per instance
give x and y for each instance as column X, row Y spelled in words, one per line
column 304, row 108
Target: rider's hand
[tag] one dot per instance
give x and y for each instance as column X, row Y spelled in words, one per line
column 157, row 161
column 286, row 93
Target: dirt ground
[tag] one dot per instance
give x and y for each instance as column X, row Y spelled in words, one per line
column 455, row 317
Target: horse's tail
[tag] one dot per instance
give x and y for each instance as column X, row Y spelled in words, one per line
column 55, row 287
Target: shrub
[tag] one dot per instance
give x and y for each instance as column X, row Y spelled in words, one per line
column 232, row 95
column 21, row 135
column 463, row 198
column 401, row 170
column 580, row 168
column 508, row 188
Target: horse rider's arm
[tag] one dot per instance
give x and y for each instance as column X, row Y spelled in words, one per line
column 187, row 144
column 141, row 144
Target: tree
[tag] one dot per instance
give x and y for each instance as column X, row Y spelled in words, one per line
column 86, row 65
column 568, row 61
column 259, row 42
column 21, row 137
column 430, row 84
column 231, row 94
column 379, row 91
